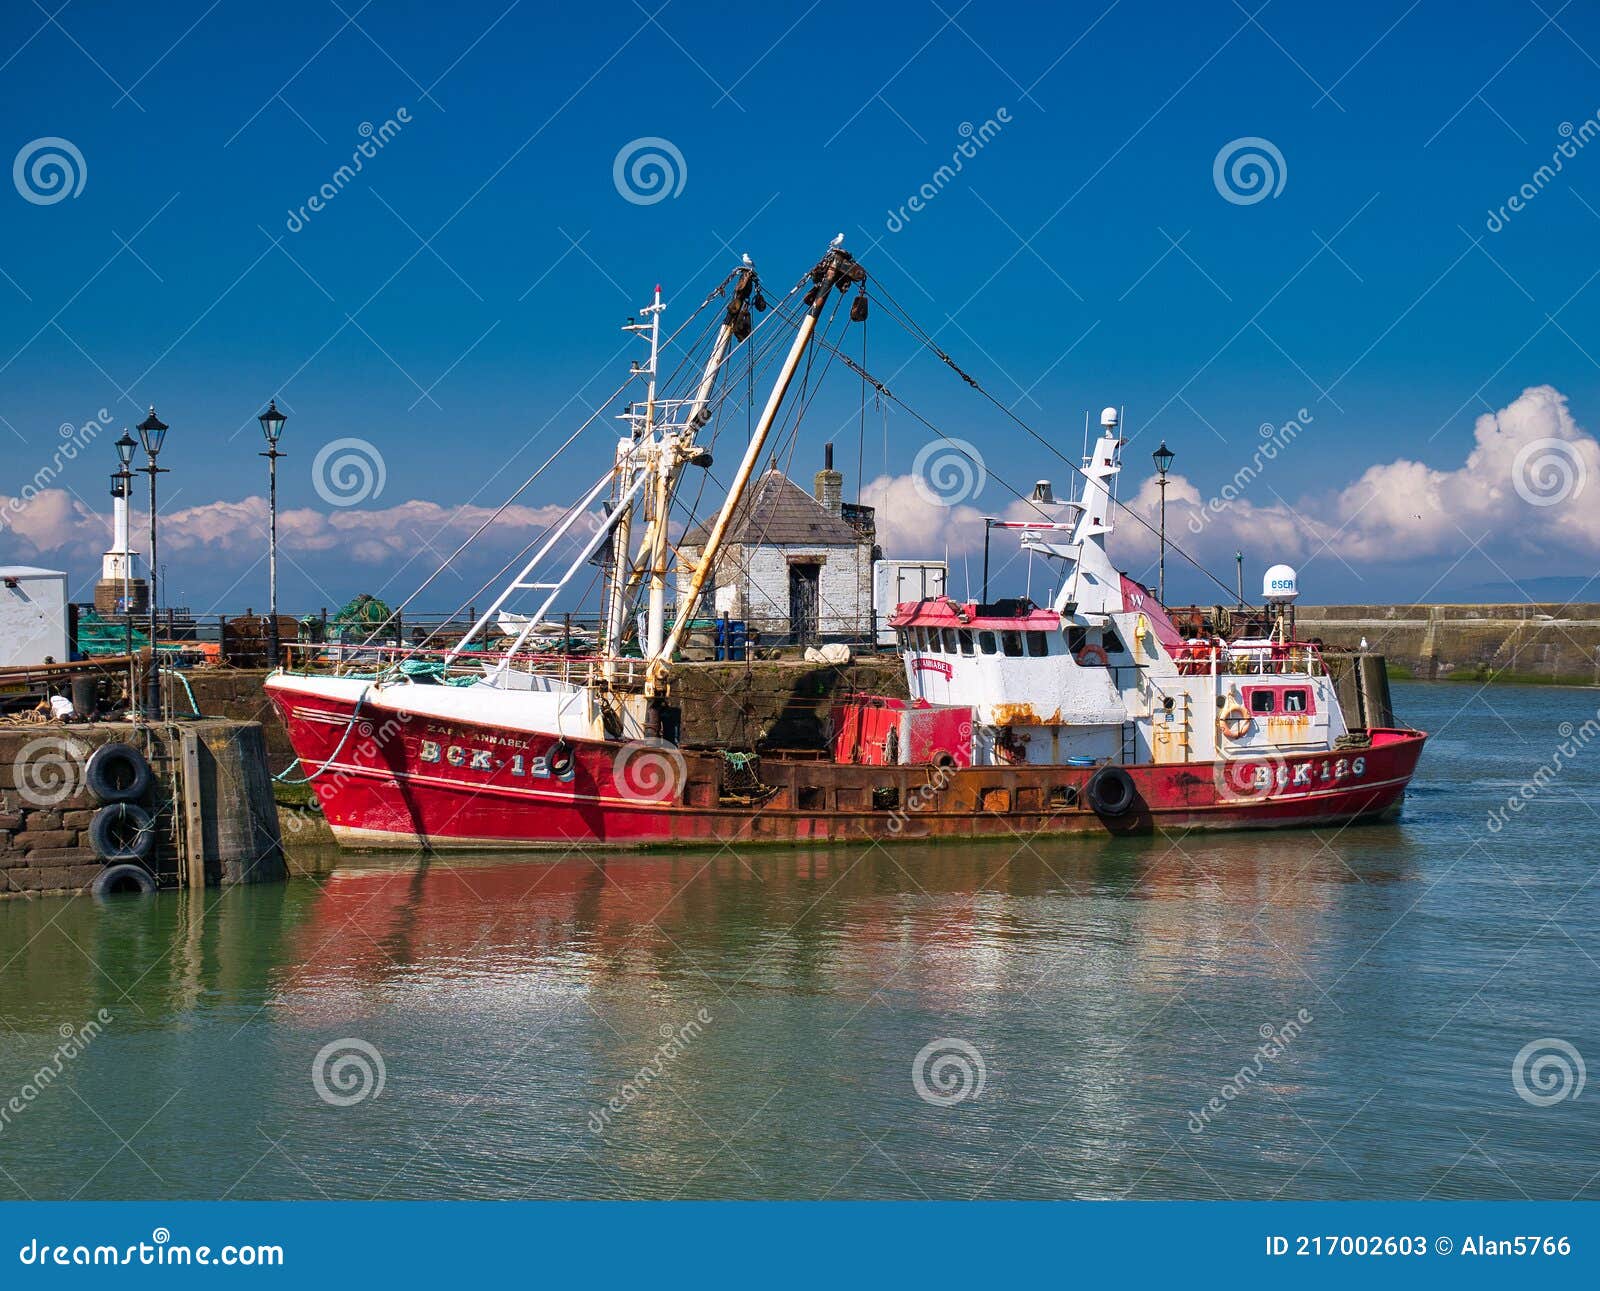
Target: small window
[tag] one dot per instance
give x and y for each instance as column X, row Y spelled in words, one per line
column 1038, row 646
column 1012, row 642
column 986, row 642
column 1261, row 701
column 1294, row 701
column 949, row 640
column 922, row 639
column 900, row 638
column 1077, row 638
column 1112, row 642
column 965, row 635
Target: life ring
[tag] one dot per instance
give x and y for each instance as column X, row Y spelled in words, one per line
column 1110, row 792
column 1234, row 722
column 122, row 831
column 117, row 773
column 560, row 759
column 1097, row 653
column 123, row 880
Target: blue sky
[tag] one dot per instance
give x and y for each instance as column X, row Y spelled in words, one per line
column 1085, row 256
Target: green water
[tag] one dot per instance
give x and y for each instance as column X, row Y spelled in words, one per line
column 777, row 1002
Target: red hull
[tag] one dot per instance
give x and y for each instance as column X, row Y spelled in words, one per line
column 404, row 781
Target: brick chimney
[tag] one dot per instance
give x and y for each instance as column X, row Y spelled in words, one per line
column 828, row 487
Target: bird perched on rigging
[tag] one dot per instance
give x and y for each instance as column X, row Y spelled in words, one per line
column 838, row 241
column 746, row 258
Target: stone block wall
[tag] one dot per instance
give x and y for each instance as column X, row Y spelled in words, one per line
column 45, row 809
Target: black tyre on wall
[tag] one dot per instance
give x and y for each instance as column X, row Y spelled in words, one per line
column 1110, row 792
column 118, row 773
column 122, row 831
column 123, row 880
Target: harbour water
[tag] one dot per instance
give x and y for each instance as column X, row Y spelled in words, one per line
column 1299, row 1014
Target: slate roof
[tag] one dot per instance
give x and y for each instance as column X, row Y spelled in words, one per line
column 777, row 510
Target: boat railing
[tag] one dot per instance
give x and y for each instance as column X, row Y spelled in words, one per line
column 398, row 662
column 1296, row 658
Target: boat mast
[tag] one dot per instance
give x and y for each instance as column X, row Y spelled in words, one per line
column 627, row 463
column 836, row 269
column 681, row 448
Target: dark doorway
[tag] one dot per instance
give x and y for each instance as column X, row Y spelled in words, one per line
column 803, row 603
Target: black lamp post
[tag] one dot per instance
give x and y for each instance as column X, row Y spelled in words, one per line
column 1162, row 457
column 272, row 426
column 152, row 431
column 122, row 487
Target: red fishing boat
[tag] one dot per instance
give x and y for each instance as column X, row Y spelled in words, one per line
column 1089, row 713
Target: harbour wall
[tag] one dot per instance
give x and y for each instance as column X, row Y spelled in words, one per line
column 1549, row 643
column 209, row 802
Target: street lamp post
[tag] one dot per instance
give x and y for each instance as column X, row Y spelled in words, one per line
column 1162, row 457
column 152, row 431
column 272, row 426
column 122, row 487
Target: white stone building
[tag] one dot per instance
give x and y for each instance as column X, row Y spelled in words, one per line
column 796, row 567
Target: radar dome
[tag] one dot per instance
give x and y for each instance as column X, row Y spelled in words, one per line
column 1108, row 418
column 1280, row 584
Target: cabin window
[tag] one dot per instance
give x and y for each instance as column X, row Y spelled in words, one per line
column 1263, row 701
column 1077, row 638
column 1294, row 701
column 1112, row 642
column 1012, row 642
column 922, row 639
column 949, row 640
column 986, row 642
column 1038, row 646
column 965, row 635
column 900, row 638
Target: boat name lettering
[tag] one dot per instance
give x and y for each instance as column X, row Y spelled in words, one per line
column 458, row 755
column 1305, row 774
column 933, row 665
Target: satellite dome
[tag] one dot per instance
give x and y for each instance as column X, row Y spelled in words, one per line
column 1108, row 418
column 1280, row 584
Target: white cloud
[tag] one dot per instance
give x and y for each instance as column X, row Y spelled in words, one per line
column 54, row 522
